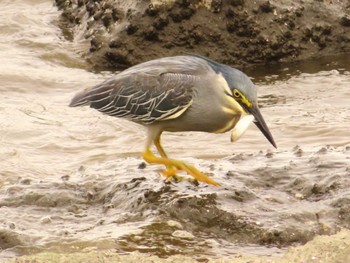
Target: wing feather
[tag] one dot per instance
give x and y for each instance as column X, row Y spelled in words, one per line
column 141, row 98
column 152, row 91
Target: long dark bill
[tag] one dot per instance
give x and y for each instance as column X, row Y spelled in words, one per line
column 261, row 124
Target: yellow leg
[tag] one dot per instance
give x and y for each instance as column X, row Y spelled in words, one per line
column 171, row 171
column 175, row 165
column 159, row 147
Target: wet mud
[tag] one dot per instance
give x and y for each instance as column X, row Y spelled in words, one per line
column 270, row 200
column 118, row 34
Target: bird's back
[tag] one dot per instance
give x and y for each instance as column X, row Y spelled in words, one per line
column 151, row 91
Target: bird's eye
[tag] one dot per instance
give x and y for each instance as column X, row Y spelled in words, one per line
column 236, row 93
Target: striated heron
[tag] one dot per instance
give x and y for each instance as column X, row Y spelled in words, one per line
column 180, row 93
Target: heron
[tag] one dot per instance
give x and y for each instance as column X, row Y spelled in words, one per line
column 179, row 94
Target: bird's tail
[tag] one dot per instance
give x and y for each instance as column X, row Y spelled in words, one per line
column 80, row 99
column 96, row 97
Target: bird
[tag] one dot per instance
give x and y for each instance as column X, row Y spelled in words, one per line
column 179, row 94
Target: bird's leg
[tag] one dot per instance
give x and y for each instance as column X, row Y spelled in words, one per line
column 173, row 165
column 149, row 157
column 170, row 172
column 160, row 147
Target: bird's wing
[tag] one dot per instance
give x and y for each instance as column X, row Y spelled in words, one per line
column 141, row 96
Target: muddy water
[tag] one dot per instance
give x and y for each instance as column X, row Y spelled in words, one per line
column 71, row 180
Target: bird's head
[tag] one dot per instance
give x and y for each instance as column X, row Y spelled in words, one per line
column 243, row 91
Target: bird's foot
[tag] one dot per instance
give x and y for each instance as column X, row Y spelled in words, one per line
column 171, row 175
column 196, row 174
column 173, row 166
column 170, row 172
column 172, row 178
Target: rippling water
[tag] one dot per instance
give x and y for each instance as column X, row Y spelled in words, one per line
column 70, row 178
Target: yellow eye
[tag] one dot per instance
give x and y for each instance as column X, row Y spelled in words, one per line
column 236, row 93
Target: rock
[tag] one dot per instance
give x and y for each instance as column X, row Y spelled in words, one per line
column 239, row 33
column 345, row 21
column 182, row 234
column 175, row 224
column 266, row 7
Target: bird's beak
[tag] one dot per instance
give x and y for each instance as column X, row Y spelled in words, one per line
column 261, row 124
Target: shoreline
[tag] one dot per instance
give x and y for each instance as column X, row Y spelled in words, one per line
column 322, row 249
